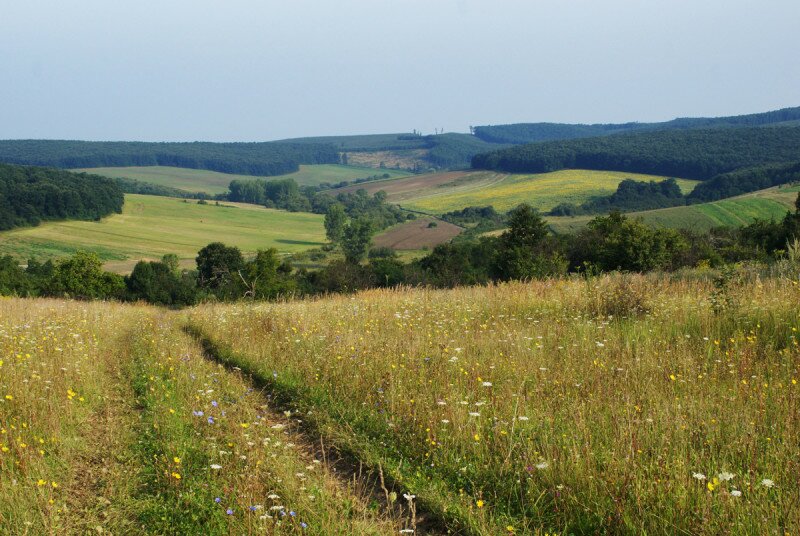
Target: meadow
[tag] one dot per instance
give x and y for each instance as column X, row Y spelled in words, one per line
column 212, row 182
column 114, row 422
column 768, row 204
column 150, row 227
column 624, row 404
column 621, row 404
column 445, row 192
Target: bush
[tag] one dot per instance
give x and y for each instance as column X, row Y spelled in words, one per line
column 623, row 296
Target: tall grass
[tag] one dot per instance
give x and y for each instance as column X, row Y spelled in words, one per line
column 57, row 382
column 113, row 421
column 616, row 404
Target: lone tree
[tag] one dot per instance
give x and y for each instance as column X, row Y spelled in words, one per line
column 522, row 253
column 217, row 265
column 357, row 239
column 335, row 221
column 526, row 228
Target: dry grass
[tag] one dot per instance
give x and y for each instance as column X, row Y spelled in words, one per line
column 621, row 404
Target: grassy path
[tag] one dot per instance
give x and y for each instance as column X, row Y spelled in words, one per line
column 367, row 479
column 113, row 421
column 427, row 507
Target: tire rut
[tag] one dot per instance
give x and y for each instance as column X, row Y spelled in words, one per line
column 370, row 482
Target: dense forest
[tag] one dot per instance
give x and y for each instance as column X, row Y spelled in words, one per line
column 744, row 181
column 534, row 132
column 258, row 159
column 689, row 154
column 264, row 159
column 30, row 195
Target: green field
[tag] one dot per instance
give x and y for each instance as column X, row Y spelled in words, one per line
column 151, row 226
column 212, row 182
column 314, row 175
column 444, row 192
column 771, row 203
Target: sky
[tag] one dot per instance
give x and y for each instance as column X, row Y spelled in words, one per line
column 256, row 70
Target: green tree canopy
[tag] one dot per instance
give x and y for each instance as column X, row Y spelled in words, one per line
column 335, row 220
column 357, row 239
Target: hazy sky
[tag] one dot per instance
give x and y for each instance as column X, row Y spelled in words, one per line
column 262, row 69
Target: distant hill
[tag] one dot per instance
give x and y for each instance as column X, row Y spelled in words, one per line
column 451, row 150
column 265, row 159
column 521, row 133
column 413, row 152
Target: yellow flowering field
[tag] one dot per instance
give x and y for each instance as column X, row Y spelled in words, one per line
column 542, row 191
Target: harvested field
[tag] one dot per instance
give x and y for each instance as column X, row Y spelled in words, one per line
column 418, row 234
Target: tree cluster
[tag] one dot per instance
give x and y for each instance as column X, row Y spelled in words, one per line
column 286, row 194
column 630, row 196
column 30, row 195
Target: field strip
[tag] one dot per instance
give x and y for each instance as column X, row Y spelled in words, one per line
column 377, row 483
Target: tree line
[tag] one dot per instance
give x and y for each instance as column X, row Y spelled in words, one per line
column 744, row 181
column 525, row 251
column 689, row 154
column 30, row 195
column 263, row 159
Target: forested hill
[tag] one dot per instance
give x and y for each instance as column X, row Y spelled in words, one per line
column 29, row 195
column 264, row 159
column 688, row 154
column 534, row 132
